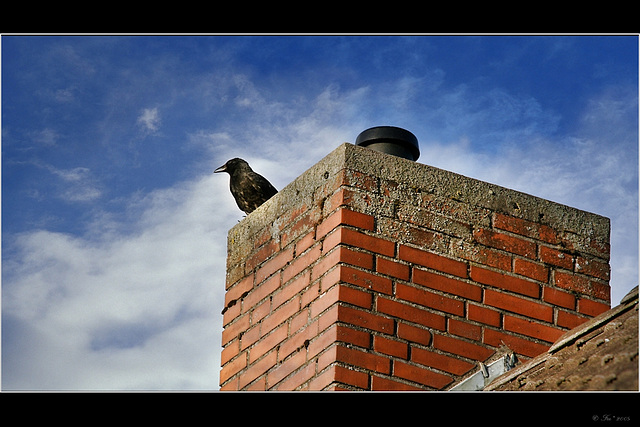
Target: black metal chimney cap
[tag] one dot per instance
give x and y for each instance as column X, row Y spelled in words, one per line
column 392, row 140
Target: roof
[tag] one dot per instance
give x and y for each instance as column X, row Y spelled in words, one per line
column 600, row 354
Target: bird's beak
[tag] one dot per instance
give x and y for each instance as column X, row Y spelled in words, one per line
column 222, row 168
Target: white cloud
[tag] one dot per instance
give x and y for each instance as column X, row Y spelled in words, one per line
column 137, row 311
column 149, row 119
column 78, row 184
column 46, row 137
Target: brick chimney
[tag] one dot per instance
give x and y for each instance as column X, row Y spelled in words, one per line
column 374, row 272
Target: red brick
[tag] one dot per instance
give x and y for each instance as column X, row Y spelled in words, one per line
column 531, row 269
column 591, row 308
column 280, row 315
column 262, row 254
column 414, row 334
column 440, row 361
column 341, row 197
column 558, row 298
column 236, row 291
column 259, row 385
column 340, row 374
column 287, row 218
column 299, row 320
column 355, row 296
column 390, row 347
column 481, row 255
column 342, row 254
column 518, row 345
column 268, row 342
column 325, row 263
column 262, row 238
column 431, row 219
column 592, row 267
column 503, row 281
column 602, row 249
column 257, row 369
column 230, row 386
column 230, row 369
column 232, row 330
column 324, row 301
column 337, row 333
column 446, row 284
column 355, row 357
column 291, row 289
column 433, row 261
column 392, row 268
column 410, row 313
column 305, row 242
column 285, row 368
column 366, row 280
column 420, row 375
column 347, row 236
column 337, row 387
column 231, row 311
column 274, row 264
column 505, row 242
column 328, row 317
column 345, row 217
column 385, row 384
column 324, row 381
column 296, row 340
column 518, row 305
column 532, row 329
column 352, row 336
column 464, row 329
column 249, row 337
column 583, row 285
column 229, row 352
column 320, row 343
column 556, row 257
column 569, row 320
column 260, row 292
column 483, row 315
column 429, row 299
column 294, row 381
column 303, row 224
column 343, row 294
column 460, row 347
column 525, row 228
column 357, row 258
column 301, row 262
column 310, row 294
column 330, row 278
column 365, row 319
column 402, row 231
column 260, row 311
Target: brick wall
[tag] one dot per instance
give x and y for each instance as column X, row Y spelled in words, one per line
column 372, row 272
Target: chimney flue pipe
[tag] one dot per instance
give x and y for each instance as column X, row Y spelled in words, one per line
column 391, row 140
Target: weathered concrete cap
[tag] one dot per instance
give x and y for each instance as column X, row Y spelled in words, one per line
column 391, row 140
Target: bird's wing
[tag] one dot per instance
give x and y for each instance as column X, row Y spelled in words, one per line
column 251, row 190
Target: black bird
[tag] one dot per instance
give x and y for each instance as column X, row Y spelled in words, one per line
column 248, row 188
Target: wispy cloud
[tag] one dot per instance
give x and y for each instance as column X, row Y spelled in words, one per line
column 137, row 310
column 46, row 137
column 77, row 184
column 149, row 119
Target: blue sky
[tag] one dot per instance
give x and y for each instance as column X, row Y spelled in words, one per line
column 114, row 229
